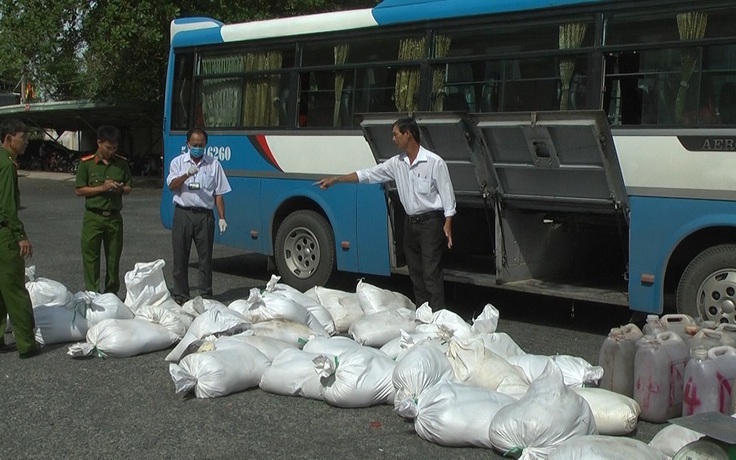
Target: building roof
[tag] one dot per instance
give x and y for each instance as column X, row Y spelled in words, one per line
column 78, row 115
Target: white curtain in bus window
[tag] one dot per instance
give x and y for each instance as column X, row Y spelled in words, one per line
column 261, row 103
column 691, row 26
column 571, row 37
column 407, row 77
column 220, row 97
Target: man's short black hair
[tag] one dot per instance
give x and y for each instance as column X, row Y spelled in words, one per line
column 107, row 133
column 197, row 130
column 408, row 124
column 12, row 127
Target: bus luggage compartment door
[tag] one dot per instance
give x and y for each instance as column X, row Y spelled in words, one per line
column 560, row 198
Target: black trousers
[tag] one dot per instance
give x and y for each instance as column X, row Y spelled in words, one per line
column 423, row 245
column 191, row 226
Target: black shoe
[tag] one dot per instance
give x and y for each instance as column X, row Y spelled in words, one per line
column 8, row 348
column 30, row 353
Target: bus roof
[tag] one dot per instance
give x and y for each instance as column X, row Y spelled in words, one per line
column 203, row 31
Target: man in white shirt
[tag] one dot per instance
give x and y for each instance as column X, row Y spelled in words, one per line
column 426, row 192
column 198, row 182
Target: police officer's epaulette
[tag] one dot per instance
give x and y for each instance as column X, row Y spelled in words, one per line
column 87, row 157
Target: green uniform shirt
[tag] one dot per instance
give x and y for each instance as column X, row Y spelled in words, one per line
column 93, row 172
column 10, row 196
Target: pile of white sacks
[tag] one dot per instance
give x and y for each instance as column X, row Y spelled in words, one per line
column 462, row 384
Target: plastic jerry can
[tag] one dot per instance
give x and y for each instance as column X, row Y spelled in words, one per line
column 709, row 338
column 659, row 370
column 725, row 359
column 678, row 322
column 617, row 359
column 653, row 326
column 700, row 393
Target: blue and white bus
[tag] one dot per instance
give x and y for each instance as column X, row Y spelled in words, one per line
column 591, row 143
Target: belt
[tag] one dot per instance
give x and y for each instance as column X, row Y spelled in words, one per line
column 193, row 208
column 104, row 212
column 425, row 216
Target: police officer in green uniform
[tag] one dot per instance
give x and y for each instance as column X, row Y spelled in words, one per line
column 102, row 179
column 14, row 246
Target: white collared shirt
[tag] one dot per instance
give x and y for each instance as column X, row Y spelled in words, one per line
column 423, row 186
column 210, row 177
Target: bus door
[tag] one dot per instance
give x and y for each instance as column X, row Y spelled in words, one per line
column 452, row 137
column 561, row 220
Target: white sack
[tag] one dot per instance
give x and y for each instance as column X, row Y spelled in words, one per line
column 377, row 329
column 266, row 345
column 615, row 414
column 330, row 345
column 548, row 414
column 292, row 373
column 265, row 306
column 452, row 414
column 198, row 305
column 373, row 299
column 487, row 321
column 594, row 447
column 474, row 364
column 46, row 292
column 501, row 344
column 295, row 334
column 312, row 305
column 216, row 321
column 164, row 317
column 421, row 367
column 145, row 285
column 231, row 367
column 59, row 324
column 443, row 322
column 343, row 307
column 396, row 348
column 672, row 438
column 96, row 307
column 357, row 378
column 122, row 338
column 576, row 372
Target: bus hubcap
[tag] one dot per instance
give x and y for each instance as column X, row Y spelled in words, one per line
column 717, row 297
column 301, row 252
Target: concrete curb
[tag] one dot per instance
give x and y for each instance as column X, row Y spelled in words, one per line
column 138, row 181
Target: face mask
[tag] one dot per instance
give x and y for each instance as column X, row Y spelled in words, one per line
column 196, row 152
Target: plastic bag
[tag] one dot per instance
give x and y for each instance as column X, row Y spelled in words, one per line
column 343, row 307
column 377, row 329
column 216, row 321
column 373, row 299
column 46, row 292
column 421, row 367
column 357, row 378
column 292, row 373
column 122, row 338
column 604, row 448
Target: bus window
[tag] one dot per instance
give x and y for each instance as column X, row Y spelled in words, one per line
column 531, row 84
column 181, row 92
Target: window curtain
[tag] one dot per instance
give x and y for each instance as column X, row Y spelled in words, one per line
column 260, row 107
column 341, row 57
column 691, row 26
column 441, row 49
column 407, row 78
column 221, row 96
column 571, row 37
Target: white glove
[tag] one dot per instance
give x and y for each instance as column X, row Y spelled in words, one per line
column 223, row 226
column 192, row 170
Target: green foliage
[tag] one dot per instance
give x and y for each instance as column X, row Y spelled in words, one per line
column 114, row 50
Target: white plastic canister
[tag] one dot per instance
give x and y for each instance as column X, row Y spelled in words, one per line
column 700, row 393
column 617, row 359
column 659, row 369
column 653, row 326
column 725, row 359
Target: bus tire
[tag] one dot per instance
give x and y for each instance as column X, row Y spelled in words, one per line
column 305, row 250
column 707, row 288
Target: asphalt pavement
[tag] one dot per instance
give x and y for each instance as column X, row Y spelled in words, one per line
column 53, row 406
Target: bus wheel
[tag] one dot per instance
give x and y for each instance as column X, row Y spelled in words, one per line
column 305, row 250
column 707, row 288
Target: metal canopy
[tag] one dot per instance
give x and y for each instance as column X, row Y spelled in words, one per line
column 79, row 115
column 554, row 160
column 547, row 161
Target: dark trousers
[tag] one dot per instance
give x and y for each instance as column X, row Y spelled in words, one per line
column 423, row 245
column 191, row 226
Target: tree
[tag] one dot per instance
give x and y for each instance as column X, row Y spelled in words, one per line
column 113, row 50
